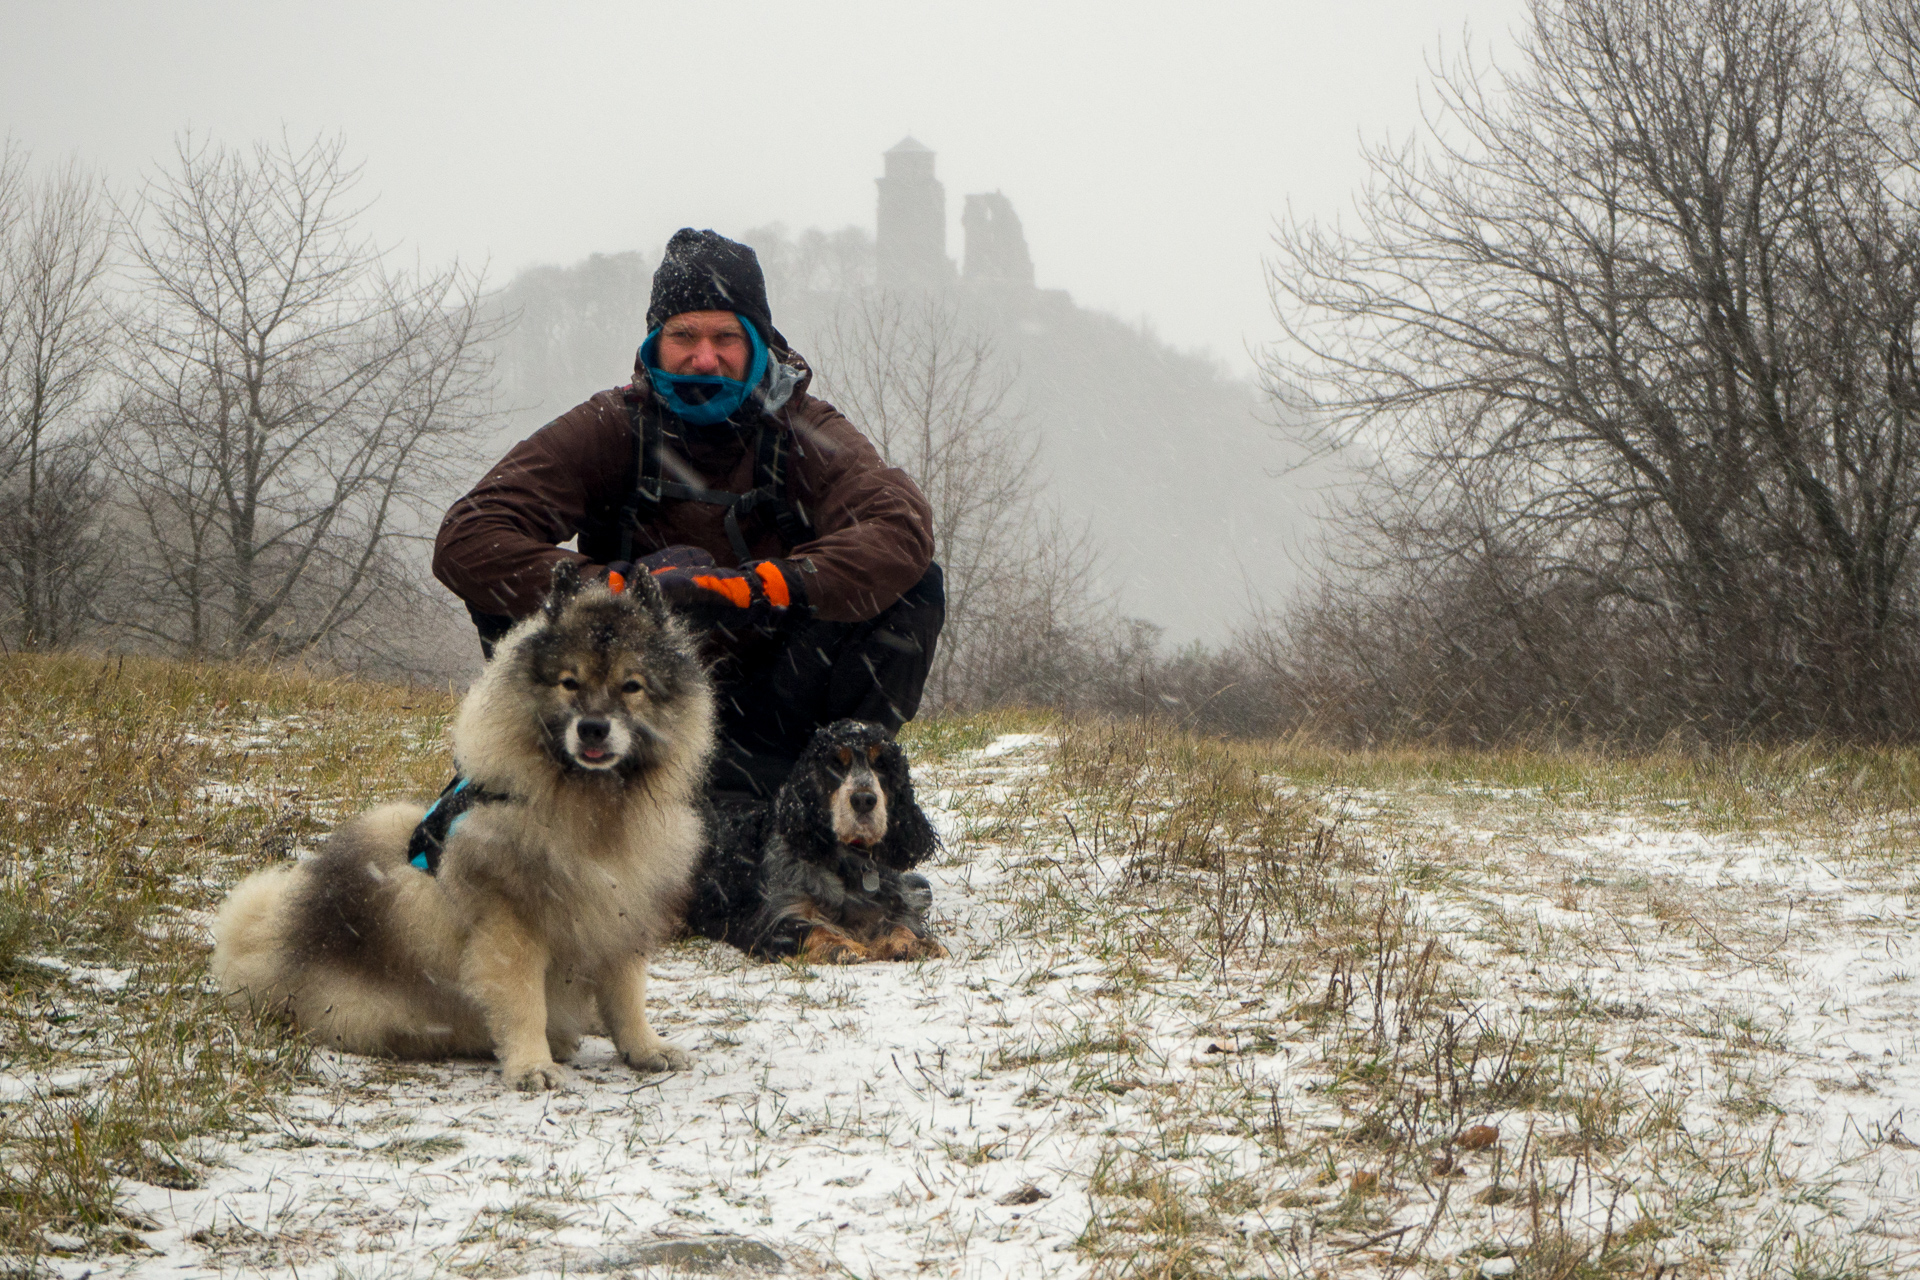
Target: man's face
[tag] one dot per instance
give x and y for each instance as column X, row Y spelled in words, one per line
column 706, row 342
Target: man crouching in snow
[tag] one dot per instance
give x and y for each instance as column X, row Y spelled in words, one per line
column 804, row 561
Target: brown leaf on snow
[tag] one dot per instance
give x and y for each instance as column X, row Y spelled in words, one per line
column 1479, row 1137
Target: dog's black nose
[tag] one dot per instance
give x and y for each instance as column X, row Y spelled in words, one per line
column 592, row 730
column 863, row 801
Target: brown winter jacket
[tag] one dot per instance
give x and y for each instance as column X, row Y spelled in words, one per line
column 873, row 530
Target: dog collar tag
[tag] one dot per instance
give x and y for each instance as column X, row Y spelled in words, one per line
column 870, row 881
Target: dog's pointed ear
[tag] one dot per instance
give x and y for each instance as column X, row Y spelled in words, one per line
column 564, row 586
column 645, row 592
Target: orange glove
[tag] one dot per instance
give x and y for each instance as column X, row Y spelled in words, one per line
column 760, row 593
column 620, row 573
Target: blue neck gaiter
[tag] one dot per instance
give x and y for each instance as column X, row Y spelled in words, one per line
column 703, row 399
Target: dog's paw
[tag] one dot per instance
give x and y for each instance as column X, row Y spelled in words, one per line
column 830, row 946
column 659, row 1056
column 537, row 1077
column 903, row 943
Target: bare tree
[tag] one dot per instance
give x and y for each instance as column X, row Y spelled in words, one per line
column 1630, row 331
column 926, row 386
column 53, row 328
column 13, row 173
column 294, row 410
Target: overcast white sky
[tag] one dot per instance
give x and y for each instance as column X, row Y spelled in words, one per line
column 1147, row 148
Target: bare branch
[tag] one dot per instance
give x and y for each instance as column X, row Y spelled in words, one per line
column 1630, row 333
column 296, row 407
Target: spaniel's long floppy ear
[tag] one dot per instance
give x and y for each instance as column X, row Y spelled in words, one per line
column 564, row 586
column 911, row 839
column 801, row 808
column 801, row 813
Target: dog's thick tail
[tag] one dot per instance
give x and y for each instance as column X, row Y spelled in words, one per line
column 249, row 942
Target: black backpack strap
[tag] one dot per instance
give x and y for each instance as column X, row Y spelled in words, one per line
column 436, row 826
column 643, row 475
column 770, row 476
column 646, row 489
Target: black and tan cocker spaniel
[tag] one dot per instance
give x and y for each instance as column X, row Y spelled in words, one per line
column 826, row 873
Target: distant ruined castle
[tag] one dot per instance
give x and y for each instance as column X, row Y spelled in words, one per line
column 910, row 231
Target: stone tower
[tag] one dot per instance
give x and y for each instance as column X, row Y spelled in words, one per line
column 910, row 226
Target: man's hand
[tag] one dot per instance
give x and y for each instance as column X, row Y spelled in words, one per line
column 621, row 572
column 760, row 593
column 676, row 558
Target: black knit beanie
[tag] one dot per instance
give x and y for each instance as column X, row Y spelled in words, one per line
column 705, row 271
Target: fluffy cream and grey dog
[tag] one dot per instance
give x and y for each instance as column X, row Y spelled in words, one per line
column 585, row 743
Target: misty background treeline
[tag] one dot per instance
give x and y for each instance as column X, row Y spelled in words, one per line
column 1628, row 333
column 1603, row 401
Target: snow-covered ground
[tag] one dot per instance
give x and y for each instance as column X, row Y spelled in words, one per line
column 851, row 1118
column 1754, row 999
column 1711, row 1039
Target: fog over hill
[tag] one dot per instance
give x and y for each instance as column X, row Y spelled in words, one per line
column 1168, row 459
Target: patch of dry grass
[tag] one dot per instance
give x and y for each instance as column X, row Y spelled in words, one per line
column 135, row 792
column 937, row 738
column 1730, row 788
column 1236, row 889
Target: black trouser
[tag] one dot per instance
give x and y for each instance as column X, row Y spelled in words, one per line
column 771, row 697
column 825, row 671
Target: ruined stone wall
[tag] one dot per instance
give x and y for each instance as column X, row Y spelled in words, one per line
column 996, row 250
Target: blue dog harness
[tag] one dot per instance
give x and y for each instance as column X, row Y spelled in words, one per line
column 437, row 824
